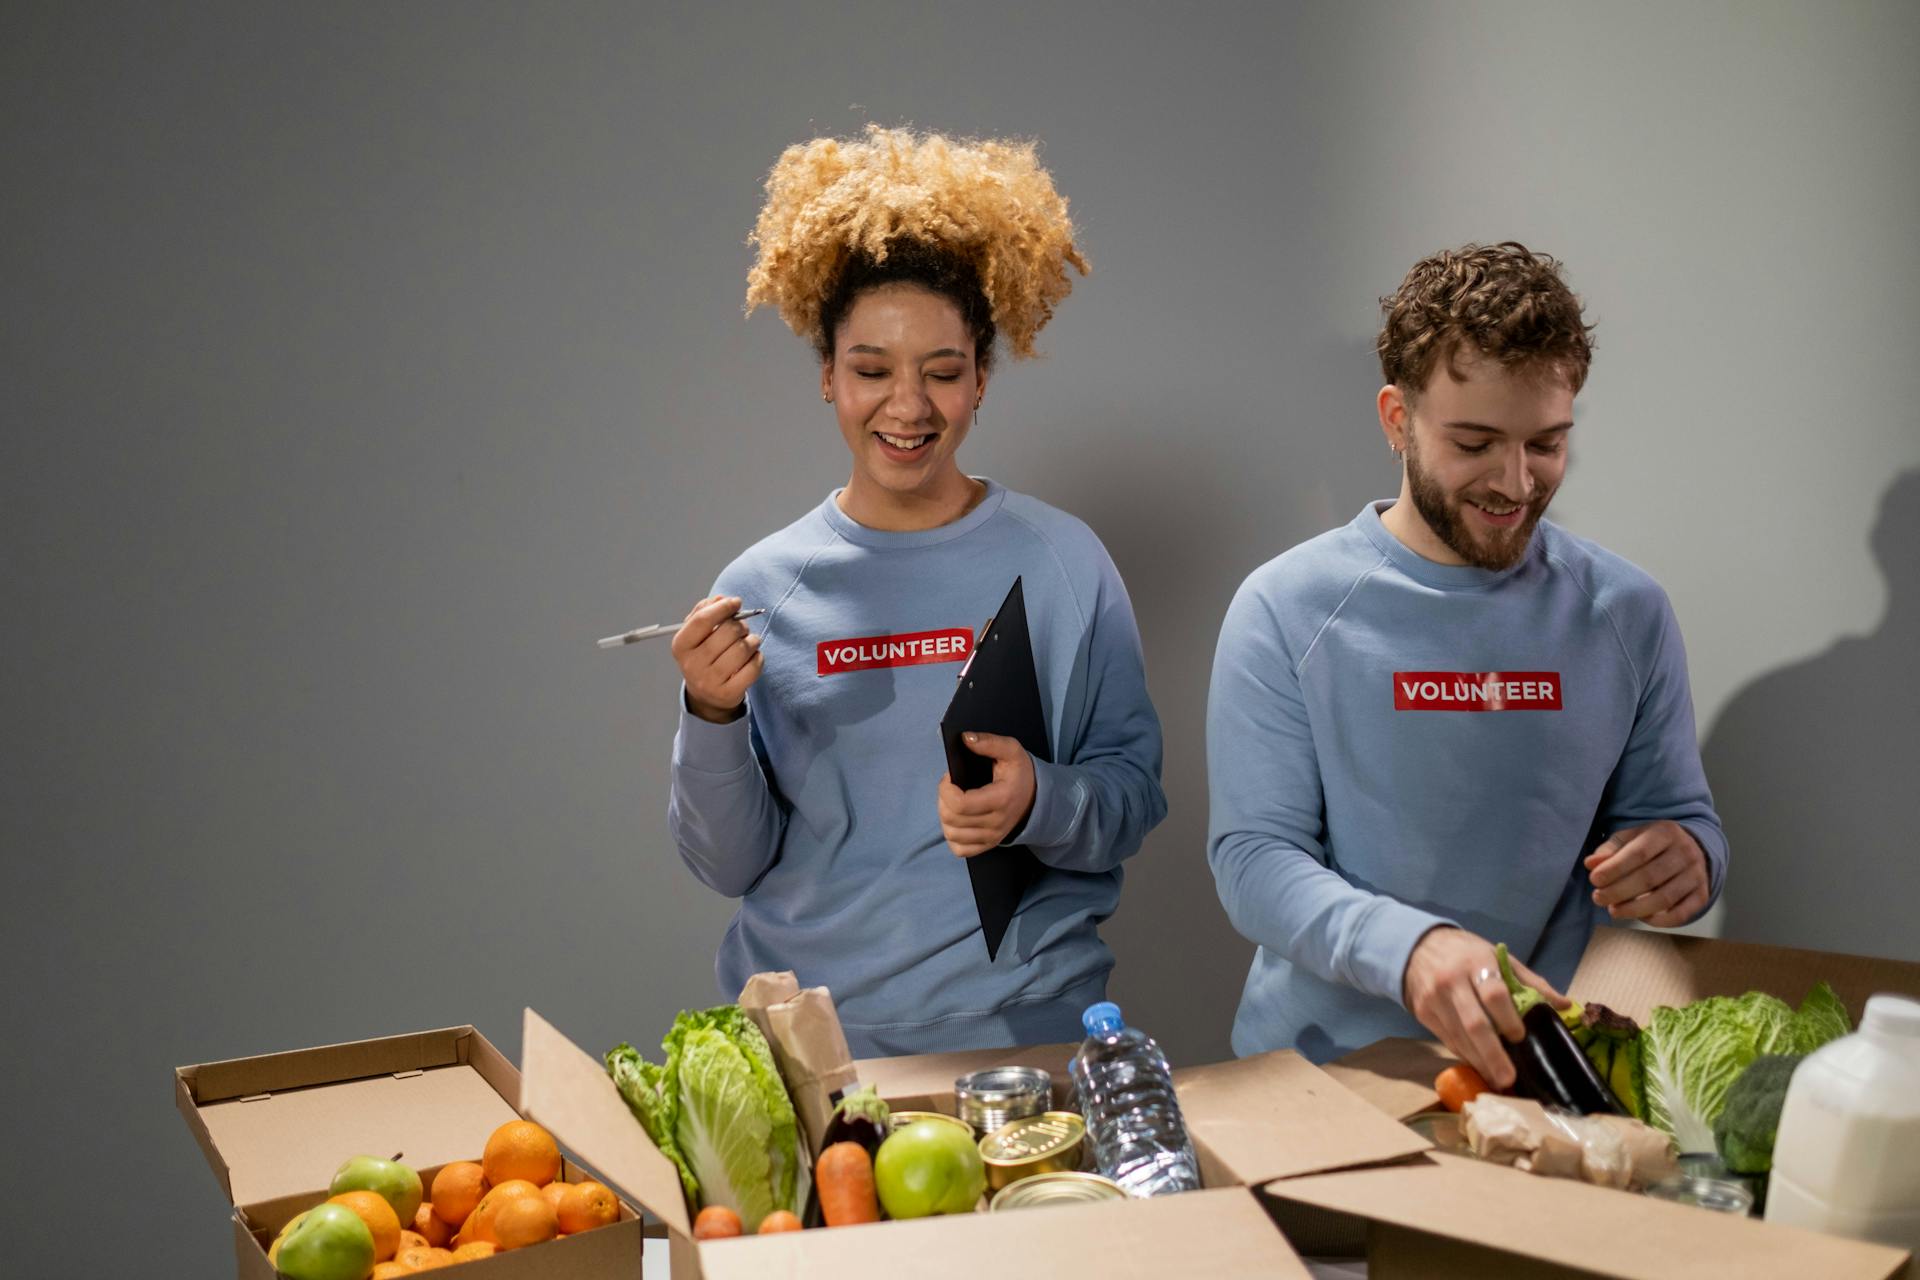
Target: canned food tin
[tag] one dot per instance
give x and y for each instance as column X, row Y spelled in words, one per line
column 901, row 1119
column 1046, row 1143
column 988, row 1099
column 1056, row 1188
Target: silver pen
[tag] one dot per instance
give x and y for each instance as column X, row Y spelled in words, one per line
column 664, row 629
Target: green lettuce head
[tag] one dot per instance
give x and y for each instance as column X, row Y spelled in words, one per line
column 1691, row 1056
column 719, row 1110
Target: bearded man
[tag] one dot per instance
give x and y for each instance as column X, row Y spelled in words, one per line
column 1451, row 723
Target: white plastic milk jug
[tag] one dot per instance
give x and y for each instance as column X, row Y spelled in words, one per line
column 1846, row 1159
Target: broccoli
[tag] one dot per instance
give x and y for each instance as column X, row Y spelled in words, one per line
column 1745, row 1128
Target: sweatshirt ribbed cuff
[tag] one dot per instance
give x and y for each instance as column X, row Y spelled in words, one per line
column 709, row 747
column 1057, row 796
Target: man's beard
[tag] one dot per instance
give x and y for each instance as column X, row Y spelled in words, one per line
column 1498, row 549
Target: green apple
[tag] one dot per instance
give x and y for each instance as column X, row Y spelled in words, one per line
column 273, row 1250
column 327, row 1242
column 392, row 1181
column 929, row 1168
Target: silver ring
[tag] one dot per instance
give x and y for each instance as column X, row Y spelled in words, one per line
column 1482, row 976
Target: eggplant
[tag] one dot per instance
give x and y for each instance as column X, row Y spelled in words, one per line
column 1551, row 1069
column 859, row 1116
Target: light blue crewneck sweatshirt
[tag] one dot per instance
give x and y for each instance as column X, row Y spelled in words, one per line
column 819, row 808
column 1394, row 744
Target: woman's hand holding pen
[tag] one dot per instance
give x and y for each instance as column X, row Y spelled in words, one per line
column 719, row 658
column 978, row 820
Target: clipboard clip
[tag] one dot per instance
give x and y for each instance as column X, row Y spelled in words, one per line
column 980, row 635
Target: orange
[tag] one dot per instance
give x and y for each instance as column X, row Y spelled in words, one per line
column 456, row 1189
column 424, row 1259
column 521, row 1149
column 587, row 1205
column 429, row 1228
column 389, row 1271
column 554, row 1192
column 474, row 1250
column 480, row 1222
column 412, row 1240
column 522, row 1222
column 379, row 1217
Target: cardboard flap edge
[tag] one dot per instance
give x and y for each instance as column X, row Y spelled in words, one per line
column 1276, row 1115
column 570, row 1092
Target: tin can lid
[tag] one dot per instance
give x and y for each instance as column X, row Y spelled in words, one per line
column 901, row 1119
column 1032, row 1138
column 1056, row 1188
column 1004, row 1084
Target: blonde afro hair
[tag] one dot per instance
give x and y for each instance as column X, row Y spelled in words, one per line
column 985, row 205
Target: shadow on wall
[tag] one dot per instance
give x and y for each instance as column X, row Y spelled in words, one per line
column 1814, row 768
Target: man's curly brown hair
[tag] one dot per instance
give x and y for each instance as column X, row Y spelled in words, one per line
column 1504, row 302
column 975, row 219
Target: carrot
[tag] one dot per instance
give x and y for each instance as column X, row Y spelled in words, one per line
column 844, row 1179
column 1458, row 1085
column 779, row 1220
column 716, row 1222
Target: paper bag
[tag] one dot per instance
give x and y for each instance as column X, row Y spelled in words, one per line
column 808, row 1046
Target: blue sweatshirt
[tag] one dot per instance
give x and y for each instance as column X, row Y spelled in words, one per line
column 1394, row 744
column 819, row 808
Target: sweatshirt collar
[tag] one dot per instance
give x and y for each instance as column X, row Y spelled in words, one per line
column 1445, row 577
column 886, row 540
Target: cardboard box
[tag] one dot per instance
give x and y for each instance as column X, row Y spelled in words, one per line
column 1251, row 1121
column 274, row 1128
column 1444, row 1215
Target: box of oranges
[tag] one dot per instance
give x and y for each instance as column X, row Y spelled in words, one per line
column 392, row 1157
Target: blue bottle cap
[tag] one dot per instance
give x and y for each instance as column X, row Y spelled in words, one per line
column 1102, row 1019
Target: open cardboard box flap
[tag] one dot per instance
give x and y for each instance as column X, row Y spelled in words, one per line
column 279, row 1125
column 1566, row 1225
column 1276, row 1115
column 571, row 1094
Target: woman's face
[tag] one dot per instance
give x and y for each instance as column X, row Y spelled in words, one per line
column 904, row 384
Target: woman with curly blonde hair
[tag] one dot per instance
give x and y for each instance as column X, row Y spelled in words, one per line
column 808, row 775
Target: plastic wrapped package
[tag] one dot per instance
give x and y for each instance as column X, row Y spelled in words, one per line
column 1607, row 1151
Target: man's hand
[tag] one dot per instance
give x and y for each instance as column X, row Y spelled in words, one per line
column 978, row 820
column 1656, row 873
column 1453, row 986
column 718, row 659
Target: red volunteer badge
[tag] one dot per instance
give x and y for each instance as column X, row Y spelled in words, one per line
column 836, row 657
column 1476, row 691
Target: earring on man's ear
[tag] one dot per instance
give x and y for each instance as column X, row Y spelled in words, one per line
column 1395, row 450
column 827, row 396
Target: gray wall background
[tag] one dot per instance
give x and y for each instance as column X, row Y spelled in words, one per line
column 363, row 363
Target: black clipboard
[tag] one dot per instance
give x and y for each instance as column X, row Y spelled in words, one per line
column 998, row 693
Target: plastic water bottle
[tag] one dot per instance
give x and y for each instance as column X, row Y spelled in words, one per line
column 1847, row 1158
column 1126, row 1093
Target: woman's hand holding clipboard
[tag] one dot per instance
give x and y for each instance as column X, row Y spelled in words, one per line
column 998, row 696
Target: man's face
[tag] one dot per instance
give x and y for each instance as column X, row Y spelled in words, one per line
column 1485, row 455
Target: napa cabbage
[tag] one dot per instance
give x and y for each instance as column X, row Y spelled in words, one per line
column 719, row 1110
column 1691, row 1056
